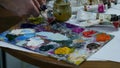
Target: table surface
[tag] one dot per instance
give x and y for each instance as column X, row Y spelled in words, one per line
column 8, row 19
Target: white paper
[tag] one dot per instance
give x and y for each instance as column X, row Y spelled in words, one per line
column 112, row 11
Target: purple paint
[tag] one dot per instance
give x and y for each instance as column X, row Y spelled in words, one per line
column 77, row 30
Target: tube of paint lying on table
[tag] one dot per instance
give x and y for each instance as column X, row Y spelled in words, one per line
column 91, row 8
column 83, row 16
column 100, row 8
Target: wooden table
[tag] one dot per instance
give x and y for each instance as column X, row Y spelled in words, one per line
column 10, row 19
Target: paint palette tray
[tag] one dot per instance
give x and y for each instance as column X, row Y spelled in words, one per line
column 63, row 41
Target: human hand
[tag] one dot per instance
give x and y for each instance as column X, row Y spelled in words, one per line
column 23, row 7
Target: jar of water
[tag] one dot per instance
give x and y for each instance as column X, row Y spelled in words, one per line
column 62, row 10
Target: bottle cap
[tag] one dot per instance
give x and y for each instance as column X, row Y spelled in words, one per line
column 114, row 17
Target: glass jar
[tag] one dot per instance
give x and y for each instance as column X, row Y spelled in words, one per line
column 62, row 10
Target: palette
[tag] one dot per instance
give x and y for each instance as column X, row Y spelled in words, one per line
column 63, row 41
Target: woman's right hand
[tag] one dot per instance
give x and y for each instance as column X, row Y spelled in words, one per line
column 23, row 7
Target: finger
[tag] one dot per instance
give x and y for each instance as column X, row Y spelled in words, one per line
column 37, row 4
column 34, row 10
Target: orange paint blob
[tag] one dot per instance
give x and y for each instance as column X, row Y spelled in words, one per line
column 102, row 37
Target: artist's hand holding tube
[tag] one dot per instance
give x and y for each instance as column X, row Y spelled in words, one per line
column 23, row 7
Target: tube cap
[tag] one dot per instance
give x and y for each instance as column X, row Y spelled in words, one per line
column 114, row 17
